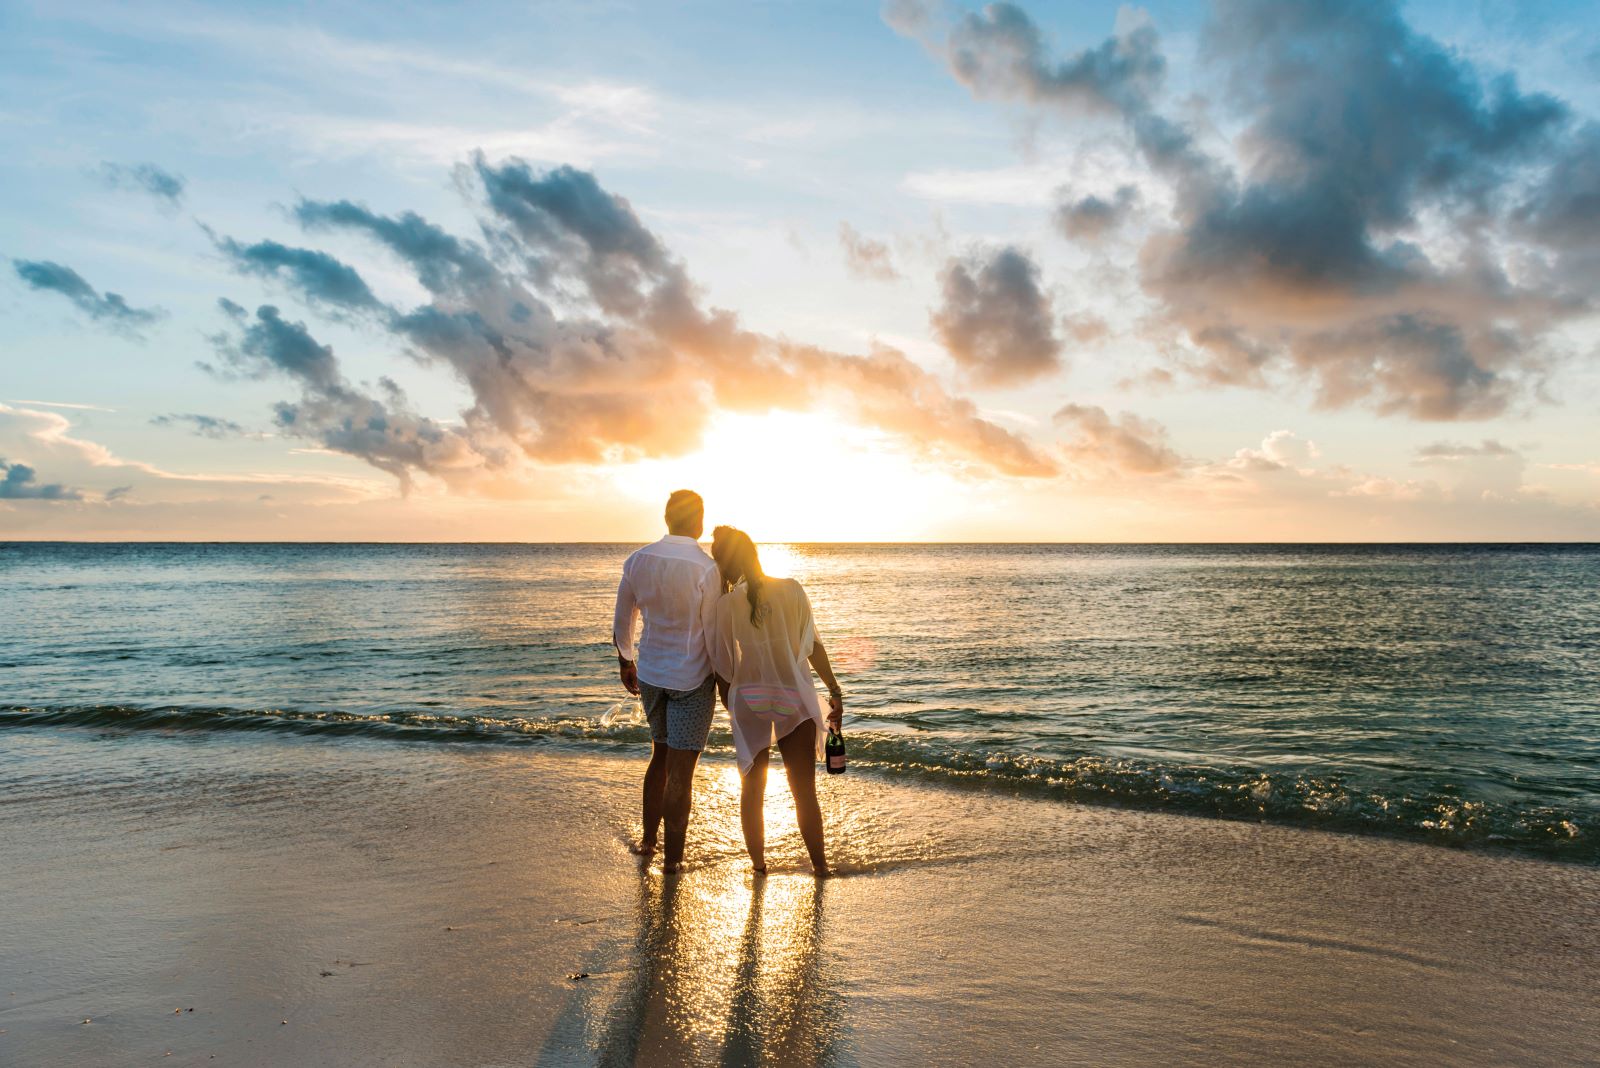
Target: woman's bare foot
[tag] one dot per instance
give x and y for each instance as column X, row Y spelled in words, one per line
column 672, row 869
column 758, row 869
column 646, row 848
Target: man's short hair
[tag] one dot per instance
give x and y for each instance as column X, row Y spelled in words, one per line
column 683, row 507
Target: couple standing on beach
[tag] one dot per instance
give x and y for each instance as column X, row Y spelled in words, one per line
column 718, row 626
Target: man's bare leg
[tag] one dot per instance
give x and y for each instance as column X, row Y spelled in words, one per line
column 680, row 790
column 655, row 798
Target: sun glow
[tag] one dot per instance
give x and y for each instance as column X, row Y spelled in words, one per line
column 789, row 476
column 777, row 805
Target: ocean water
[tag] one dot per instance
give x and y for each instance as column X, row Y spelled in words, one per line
column 1449, row 693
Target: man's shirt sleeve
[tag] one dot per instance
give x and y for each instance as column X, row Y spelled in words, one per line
column 623, row 619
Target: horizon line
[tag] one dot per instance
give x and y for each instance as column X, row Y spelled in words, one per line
column 773, row 541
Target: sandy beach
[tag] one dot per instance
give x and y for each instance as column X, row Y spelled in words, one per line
column 384, row 903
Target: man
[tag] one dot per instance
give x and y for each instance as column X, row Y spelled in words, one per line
column 675, row 586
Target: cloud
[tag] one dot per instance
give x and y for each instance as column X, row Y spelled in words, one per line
column 316, row 276
column 17, row 483
column 1093, row 218
column 382, row 430
column 1000, row 52
column 1312, row 253
column 1280, row 450
column 65, row 404
column 143, row 177
column 581, row 339
column 1085, row 329
column 866, row 257
column 1488, row 470
column 202, row 426
column 47, row 438
column 1019, row 186
column 444, row 264
column 995, row 320
column 1126, row 445
column 1445, row 450
column 107, row 307
column 1562, row 213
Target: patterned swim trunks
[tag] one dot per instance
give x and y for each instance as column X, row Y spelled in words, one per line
column 681, row 718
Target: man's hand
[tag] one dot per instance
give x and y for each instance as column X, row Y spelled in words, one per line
column 630, row 675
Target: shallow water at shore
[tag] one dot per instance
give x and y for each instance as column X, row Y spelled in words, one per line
column 1438, row 692
column 321, row 901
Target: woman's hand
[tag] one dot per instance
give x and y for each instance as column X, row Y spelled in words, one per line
column 835, row 711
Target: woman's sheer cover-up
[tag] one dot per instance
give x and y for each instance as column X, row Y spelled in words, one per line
column 767, row 667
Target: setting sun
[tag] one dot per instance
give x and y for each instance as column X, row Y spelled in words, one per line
column 790, row 477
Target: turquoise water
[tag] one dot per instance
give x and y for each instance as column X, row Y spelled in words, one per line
column 1442, row 692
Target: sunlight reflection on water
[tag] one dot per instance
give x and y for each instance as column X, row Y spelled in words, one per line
column 1445, row 690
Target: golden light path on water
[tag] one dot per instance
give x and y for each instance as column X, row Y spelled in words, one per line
column 724, row 965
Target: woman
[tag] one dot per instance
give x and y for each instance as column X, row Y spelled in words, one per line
column 765, row 637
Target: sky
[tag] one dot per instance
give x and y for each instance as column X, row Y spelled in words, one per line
column 1238, row 270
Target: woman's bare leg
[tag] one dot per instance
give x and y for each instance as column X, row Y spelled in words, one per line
column 752, row 798
column 799, row 748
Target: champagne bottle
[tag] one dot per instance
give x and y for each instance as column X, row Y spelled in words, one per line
column 835, row 752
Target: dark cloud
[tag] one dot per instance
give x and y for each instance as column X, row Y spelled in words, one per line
column 1297, row 264
column 1126, row 445
column 272, row 343
column 202, row 426
column 581, row 338
column 1302, row 261
column 866, row 257
column 1092, row 218
column 1000, row 52
column 444, row 264
column 108, row 308
column 317, row 276
column 18, row 483
column 574, row 234
column 996, row 320
column 143, row 177
column 1562, row 213
column 381, row 430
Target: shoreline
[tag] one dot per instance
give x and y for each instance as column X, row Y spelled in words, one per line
column 448, row 892
column 1203, row 791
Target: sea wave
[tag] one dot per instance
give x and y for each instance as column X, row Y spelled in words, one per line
column 1234, row 792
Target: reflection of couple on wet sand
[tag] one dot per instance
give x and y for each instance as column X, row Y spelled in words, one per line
column 718, row 626
column 706, row 981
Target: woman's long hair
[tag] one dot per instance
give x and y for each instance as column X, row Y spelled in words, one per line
column 737, row 559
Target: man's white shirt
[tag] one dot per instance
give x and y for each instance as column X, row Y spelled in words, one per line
column 675, row 585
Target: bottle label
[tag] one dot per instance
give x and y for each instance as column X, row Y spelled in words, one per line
column 836, row 760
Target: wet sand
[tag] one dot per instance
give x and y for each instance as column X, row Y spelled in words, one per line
column 319, row 901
